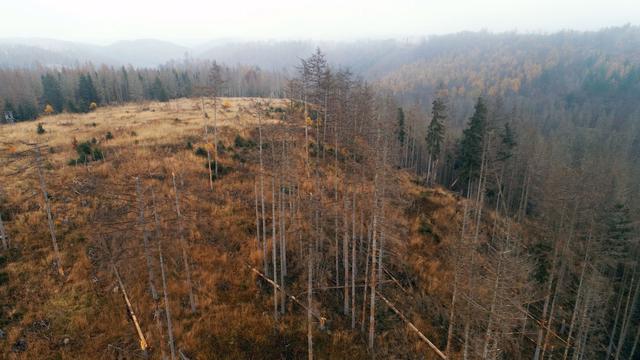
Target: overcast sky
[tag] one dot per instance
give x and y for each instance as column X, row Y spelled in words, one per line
column 190, row 20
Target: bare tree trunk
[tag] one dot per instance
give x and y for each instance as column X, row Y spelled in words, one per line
column 374, row 277
column 255, row 190
column 164, row 287
column 3, row 235
column 274, row 249
column 455, row 285
column 167, row 311
column 487, row 336
column 206, row 138
column 547, row 300
column 283, row 251
column 183, row 242
column 45, row 195
column 143, row 342
column 353, row 262
column 215, row 134
column 145, row 240
column 577, row 302
column 635, row 344
column 310, row 301
column 345, row 256
column 628, row 314
column 264, row 225
column 366, row 280
column 615, row 322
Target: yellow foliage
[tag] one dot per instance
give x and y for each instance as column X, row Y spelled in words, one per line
column 48, row 109
column 309, row 121
column 93, row 106
column 226, row 105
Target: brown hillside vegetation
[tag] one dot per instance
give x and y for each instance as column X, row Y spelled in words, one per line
column 114, row 214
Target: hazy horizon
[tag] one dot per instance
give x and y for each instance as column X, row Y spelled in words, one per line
column 193, row 24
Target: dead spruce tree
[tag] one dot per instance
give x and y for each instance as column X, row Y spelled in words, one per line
column 184, row 245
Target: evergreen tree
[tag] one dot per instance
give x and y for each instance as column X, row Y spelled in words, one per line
column 52, row 92
column 470, row 150
column 435, row 131
column 618, row 232
column 400, row 131
column 157, row 91
column 507, row 143
column 86, row 93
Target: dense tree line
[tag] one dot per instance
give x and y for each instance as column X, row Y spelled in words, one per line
column 28, row 91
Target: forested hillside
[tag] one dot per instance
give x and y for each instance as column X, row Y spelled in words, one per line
column 480, row 199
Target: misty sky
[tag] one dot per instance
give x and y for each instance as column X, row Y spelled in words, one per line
column 191, row 20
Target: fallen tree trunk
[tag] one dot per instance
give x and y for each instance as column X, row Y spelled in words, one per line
column 143, row 342
column 412, row 327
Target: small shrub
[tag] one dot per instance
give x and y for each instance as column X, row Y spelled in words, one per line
column 40, row 130
column 241, row 142
column 87, row 152
column 189, row 145
column 200, row 151
column 93, row 106
column 109, row 135
column 222, row 170
column 239, row 158
column 221, row 148
column 133, row 133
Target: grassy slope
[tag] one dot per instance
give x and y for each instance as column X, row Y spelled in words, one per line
column 94, row 206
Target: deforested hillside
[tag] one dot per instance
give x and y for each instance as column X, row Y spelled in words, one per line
column 147, row 213
column 192, row 226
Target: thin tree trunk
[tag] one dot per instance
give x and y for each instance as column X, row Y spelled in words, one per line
column 628, row 314
column 577, row 303
column 353, row 263
column 615, row 321
column 366, row 280
column 255, row 190
column 167, row 311
column 145, row 240
column 143, row 342
column 183, row 242
column 345, row 256
column 310, row 301
column 264, row 225
column 164, row 288
column 45, row 195
column 635, row 344
column 274, row 248
column 374, row 277
column 206, row 138
column 3, row 235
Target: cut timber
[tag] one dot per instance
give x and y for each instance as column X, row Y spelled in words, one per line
column 143, row 342
column 412, row 327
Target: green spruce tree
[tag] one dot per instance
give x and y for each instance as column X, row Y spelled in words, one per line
column 470, row 150
column 400, row 130
column 86, row 93
column 52, row 92
column 435, row 131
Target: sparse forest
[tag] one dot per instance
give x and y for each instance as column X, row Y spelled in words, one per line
column 475, row 202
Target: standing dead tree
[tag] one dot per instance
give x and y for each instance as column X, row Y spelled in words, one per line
column 183, row 243
column 165, row 292
column 3, row 235
column 45, row 195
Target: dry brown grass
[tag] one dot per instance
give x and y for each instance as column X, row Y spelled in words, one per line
column 233, row 321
